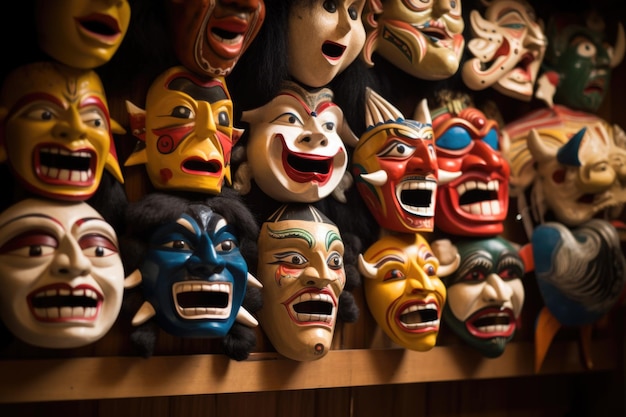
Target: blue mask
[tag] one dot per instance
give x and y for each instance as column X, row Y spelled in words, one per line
column 194, row 275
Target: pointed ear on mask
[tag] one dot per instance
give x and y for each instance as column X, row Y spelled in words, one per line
column 137, row 118
column 117, row 128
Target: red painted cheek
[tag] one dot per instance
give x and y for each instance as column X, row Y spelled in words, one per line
column 283, row 272
column 166, row 175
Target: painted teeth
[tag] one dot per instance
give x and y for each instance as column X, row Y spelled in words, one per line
column 88, row 310
column 493, row 323
column 425, row 210
column 317, row 316
column 80, row 292
column 485, row 208
column 496, row 328
column 476, row 185
column 416, row 312
column 202, row 287
column 64, row 174
column 197, row 289
column 66, row 312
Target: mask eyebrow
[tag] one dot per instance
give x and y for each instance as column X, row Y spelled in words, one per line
column 331, row 237
column 211, row 92
column 293, row 233
column 185, row 223
column 26, row 216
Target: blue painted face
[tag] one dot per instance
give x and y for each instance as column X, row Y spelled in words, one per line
column 194, row 275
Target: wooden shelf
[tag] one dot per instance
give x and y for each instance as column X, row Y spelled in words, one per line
column 86, row 378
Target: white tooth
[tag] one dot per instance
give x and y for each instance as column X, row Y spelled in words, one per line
column 52, row 312
column 64, row 152
column 224, row 288
column 75, row 176
column 481, row 185
column 89, row 173
column 196, row 287
column 83, row 176
column 51, row 293
column 66, row 311
column 471, row 185
column 79, row 292
column 45, row 170
column 40, row 312
column 486, row 208
column 53, row 173
column 54, row 150
column 495, row 207
column 64, row 174
column 461, row 189
column 78, row 312
column 186, row 287
column 64, row 292
column 91, row 312
column 475, row 208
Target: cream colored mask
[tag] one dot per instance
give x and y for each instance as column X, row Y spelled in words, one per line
column 82, row 33
column 324, row 38
column 185, row 133
column 55, row 130
column 302, row 271
column 573, row 162
column 403, row 290
column 295, row 152
column 62, row 275
column 508, row 47
column 578, row 180
column 424, row 38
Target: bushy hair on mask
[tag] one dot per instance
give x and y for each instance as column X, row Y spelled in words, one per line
column 155, row 209
column 263, row 69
